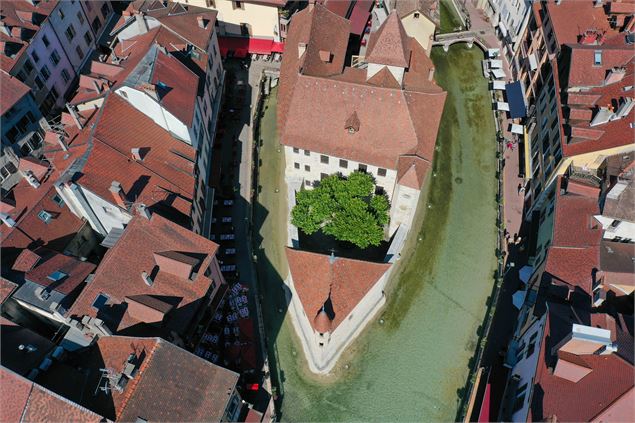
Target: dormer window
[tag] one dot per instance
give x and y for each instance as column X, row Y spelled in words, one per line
column 352, row 123
column 45, row 216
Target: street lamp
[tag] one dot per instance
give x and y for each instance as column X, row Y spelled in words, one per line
column 509, row 266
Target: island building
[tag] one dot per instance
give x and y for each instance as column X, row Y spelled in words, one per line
column 380, row 116
column 332, row 117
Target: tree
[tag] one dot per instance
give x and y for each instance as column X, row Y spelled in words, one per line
column 345, row 208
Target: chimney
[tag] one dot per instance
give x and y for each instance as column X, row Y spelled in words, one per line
column 431, row 74
column 138, row 154
column 151, row 90
column 55, row 138
column 75, row 115
column 202, row 22
column 615, row 75
column 144, row 211
column 142, row 26
column 118, row 194
column 301, row 49
column 597, row 3
column 311, row 4
column 7, row 220
column 31, row 179
column 146, row 278
column 325, row 56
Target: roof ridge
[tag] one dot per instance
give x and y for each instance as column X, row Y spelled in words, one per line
column 135, row 381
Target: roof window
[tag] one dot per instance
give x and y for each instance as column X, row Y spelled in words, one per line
column 57, row 276
column 100, row 301
column 45, row 216
column 597, row 58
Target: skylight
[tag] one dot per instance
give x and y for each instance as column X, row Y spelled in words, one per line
column 57, row 276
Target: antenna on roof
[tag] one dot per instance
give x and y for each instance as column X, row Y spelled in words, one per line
column 108, row 379
column 332, row 257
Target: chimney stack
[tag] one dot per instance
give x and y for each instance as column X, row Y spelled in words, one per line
column 431, row 74
column 118, row 194
column 151, row 90
column 75, row 115
column 31, row 179
column 137, row 154
column 202, row 22
column 7, row 220
column 144, row 211
column 147, row 279
column 142, row 26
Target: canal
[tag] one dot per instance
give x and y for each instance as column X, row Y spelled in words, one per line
column 412, row 364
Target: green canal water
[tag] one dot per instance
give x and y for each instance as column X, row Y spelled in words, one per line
column 414, row 365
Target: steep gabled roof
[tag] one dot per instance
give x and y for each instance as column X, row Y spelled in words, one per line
column 318, row 278
column 12, row 91
column 389, row 45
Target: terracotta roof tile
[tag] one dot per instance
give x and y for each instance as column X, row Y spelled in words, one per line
column 347, row 280
column 430, row 8
column 75, row 270
column 573, row 267
column 574, row 224
column 412, row 171
column 6, row 289
column 389, row 45
column 181, row 85
column 119, row 275
column 26, row 261
column 26, row 401
column 12, row 91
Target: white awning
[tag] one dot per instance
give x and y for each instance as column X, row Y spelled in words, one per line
column 495, row 64
column 498, row 85
column 502, row 28
column 533, row 63
column 493, row 53
column 498, row 73
column 517, row 129
column 502, row 106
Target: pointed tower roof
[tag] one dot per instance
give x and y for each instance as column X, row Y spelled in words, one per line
column 412, row 171
column 389, row 44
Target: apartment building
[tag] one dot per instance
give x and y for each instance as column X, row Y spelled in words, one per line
column 420, row 19
column 166, row 63
column 510, row 18
column 250, row 27
column 47, row 43
column 574, row 333
column 332, row 118
column 21, row 127
column 575, row 62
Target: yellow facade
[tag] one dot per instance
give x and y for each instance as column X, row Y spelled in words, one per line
column 261, row 21
column 421, row 28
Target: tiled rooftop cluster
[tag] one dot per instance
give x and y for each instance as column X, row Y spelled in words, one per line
column 99, row 236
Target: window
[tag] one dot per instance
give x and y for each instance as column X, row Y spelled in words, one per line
column 323, row 175
column 35, row 56
column 363, row 167
column 307, row 168
column 100, row 301
column 80, row 17
column 296, row 165
column 324, row 159
column 296, row 150
column 54, row 92
column 96, row 23
column 45, row 216
column 237, row 5
column 70, row 33
column 381, row 172
column 532, row 345
column 60, row 12
column 344, row 164
column 55, row 58
column 88, row 38
column 65, row 76
column 307, row 153
column 520, row 398
column 597, row 58
column 45, row 41
column 105, row 10
column 38, row 82
column 58, row 200
column 57, row 276
column 21, row 76
column 307, row 183
column 28, row 66
column 79, row 51
column 416, row 15
column 45, row 72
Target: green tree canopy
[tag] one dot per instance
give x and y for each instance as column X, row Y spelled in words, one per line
column 345, row 208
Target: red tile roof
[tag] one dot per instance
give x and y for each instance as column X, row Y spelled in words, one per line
column 12, row 91
column 165, row 175
column 571, row 18
column 389, row 44
column 31, row 231
column 573, row 267
column 574, row 224
column 179, row 97
column 76, row 272
column 119, row 275
column 609, row 379
column 316, row 98
column 430, row 8
column 23, row 400
column 412, row 171
column 347, row 280
column 26, row 260
column 583, row 72
column 6, row 289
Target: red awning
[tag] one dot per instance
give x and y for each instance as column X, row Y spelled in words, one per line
column 241, row 47
column 359, row 16
column 484, row 414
